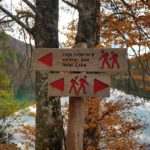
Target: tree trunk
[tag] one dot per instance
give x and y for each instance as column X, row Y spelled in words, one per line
column 88, row 29
column 88, row 25
column 48, row 114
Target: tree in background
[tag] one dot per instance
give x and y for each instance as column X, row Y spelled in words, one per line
column 40, row 20
column 8, row 106
column 7, row 58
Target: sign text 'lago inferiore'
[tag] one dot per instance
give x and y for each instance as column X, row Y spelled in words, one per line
column 92, row 60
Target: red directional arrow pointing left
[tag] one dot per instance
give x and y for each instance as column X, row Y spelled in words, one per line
column 58, row 84
column 98, row 85
column 47, row 59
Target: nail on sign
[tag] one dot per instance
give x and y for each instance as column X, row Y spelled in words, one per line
column 78, row 85
column 96, row 60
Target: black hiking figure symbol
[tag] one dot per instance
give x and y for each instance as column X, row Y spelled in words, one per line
column 105, row 58
column 73, row 85
column 83, row 83
column 114, row 58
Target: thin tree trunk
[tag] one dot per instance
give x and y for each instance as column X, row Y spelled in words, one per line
column 48, row 114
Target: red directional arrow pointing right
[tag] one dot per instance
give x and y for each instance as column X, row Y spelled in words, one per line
column 58, row 84
column 47, row 59
column 98, row 85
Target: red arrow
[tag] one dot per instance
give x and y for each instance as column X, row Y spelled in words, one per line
column 98, row 85
column 47, row 59
column 58, row 84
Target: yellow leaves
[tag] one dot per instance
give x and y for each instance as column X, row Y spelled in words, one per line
column 4, row 93
column 6, row 82
column 137, row 77
column 8, row 107
column 101, row 45
column 70, row 34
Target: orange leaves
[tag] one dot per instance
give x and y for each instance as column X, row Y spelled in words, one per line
column 32, row 114
column 28, row 135
column 145, row 19
column 92, row 107
column 119, row 30
column 91, row 128
column 90, row 148
column 112, row 123
column 125, row 27
column 128, row 26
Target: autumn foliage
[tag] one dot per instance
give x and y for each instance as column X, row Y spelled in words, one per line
column 111, row 125
column 28, row 135
column 115, row 123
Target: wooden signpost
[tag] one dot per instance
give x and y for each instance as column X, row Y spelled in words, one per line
column 75, row 83
column 88, row 60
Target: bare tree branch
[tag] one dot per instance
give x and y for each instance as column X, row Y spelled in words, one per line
column 27, row 13
column 2, row 21
column 3, row 18
column 70, row 4
column 132, row 15
column 30, row 5
column 134, row 18
column 15, row 18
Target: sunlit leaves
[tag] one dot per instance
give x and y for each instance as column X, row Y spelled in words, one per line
column 70, row 34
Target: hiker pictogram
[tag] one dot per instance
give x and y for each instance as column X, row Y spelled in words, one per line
column 83, row 83
column 73, row 85
column 105, row 59
column 114, row 58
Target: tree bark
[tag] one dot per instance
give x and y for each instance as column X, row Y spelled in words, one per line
column 45, row 31
column 88, row 32
column 88, row 22
column 48, row 114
